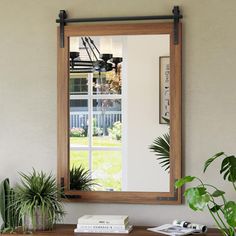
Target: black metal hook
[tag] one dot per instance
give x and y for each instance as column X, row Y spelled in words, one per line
column 62, row 16
column 176, row 16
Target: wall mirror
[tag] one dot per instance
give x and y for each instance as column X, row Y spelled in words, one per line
column 119, row 88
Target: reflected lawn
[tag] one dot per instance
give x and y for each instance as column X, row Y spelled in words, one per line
column 102, row 141
column 106, row 167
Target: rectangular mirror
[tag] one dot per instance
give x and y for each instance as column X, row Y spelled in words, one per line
column 119, row 89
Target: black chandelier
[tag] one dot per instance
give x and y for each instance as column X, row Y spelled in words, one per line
column 97, row 62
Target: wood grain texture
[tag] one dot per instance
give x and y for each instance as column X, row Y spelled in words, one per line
column 68, row 230
column 62, row 113
column 118, row 29
column 175, row 113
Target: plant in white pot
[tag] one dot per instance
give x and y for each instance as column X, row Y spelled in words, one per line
column 38, row 201
column 206, row 196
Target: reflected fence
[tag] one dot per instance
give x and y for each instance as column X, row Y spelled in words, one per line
column 102, row 120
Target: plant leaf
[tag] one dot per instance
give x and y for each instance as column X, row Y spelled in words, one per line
column 197, row 198
column 210, row 160
column 230, row 213
column 228, row 168
column 179, row 183
column 217, row 193
column 161, row 148
column 215, row 208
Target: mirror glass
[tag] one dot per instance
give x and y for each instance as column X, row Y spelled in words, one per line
column 119, row 102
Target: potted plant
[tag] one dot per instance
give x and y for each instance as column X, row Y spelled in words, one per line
column 205, row 195
column 38, row 201
column 80, row 179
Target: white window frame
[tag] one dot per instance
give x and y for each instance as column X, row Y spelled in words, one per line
column 90, row 148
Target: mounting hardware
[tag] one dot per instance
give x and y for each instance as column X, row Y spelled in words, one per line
column 177, row 15
column 63, row 21
column 174, row 198
column 62, row 16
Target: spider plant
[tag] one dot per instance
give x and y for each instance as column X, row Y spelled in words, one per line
column 80, row 179
column 205, row 195
column 38, row 201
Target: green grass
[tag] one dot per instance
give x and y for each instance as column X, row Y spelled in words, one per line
column 105, row 141
column 106, row 167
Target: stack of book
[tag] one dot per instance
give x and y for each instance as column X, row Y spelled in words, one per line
column 103, row 224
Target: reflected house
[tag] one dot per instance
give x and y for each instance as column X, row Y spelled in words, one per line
column 105, row 112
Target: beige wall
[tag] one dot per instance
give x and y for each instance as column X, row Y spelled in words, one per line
column 28, row 89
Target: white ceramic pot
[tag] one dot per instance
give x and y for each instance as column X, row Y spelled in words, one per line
column 36, row 222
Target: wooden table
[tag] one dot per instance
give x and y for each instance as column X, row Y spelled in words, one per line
column 68, row 230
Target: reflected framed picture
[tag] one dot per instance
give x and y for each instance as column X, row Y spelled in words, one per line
column 164, row 89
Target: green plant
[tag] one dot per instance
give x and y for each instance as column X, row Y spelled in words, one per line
column 8, row 210
column 161, row 148
column 97, row 131
column 77, row 132
column 208, row 196
column 116, row 131
column 38, row 199
column 80, row 179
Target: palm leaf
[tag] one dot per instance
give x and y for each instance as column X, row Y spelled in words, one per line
column 161, row 148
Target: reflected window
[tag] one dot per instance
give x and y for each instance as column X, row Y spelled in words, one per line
column 96, row 127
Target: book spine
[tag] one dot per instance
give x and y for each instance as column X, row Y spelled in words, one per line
column 106, row 227
column 100, row 231
column 102, row 222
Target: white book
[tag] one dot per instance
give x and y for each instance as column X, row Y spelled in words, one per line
column 103, row 219
column 172, row 230
column 113, row 231
column 102, row 226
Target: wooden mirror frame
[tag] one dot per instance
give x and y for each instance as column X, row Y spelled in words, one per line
column 171, row 197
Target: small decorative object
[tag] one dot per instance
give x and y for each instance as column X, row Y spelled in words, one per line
column 208, row 196
column 38, row 201
column 80, row 179
column 164, row 89
column 9, row 214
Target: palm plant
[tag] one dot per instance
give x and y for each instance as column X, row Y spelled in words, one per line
column 80, row 179
column 161, row 148
column 38, row 201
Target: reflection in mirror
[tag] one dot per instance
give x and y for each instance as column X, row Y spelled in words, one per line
column 118, row 106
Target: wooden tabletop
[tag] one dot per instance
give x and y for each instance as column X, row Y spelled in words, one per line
column 68, row 230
